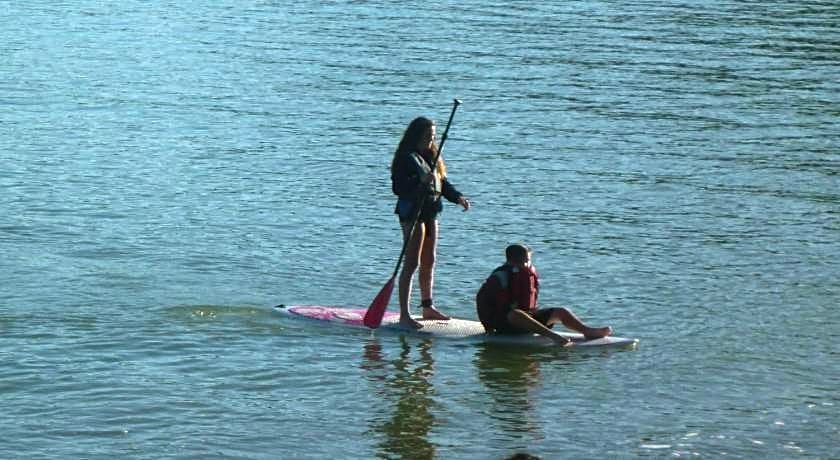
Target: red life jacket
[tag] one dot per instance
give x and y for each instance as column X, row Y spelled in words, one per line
column 504, row 289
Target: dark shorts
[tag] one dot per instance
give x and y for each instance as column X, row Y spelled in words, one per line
column 498, row 319
column 541, row 315
column 406, row 209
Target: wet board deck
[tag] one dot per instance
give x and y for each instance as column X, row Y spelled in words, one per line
column 454, row 328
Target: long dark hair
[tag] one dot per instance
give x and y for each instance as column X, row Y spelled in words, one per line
column 412, row 136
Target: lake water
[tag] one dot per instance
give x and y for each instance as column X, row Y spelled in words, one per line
column 171, row 170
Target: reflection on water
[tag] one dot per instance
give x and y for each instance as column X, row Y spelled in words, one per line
column 510, row 374
column 401, row 375
column 406, row 383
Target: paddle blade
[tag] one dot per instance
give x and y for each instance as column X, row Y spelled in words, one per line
column 374, row 313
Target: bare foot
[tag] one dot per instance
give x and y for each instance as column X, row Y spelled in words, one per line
column 597, row 332
column 407, row 322
column 433, row 313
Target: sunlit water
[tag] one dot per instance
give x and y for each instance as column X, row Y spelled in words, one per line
column 172, row 170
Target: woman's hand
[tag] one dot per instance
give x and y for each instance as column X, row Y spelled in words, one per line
column 464, row 202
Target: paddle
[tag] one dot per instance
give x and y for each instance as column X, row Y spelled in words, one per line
column 376, row 310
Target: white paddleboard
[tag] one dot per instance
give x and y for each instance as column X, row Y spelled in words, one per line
column 454, row 328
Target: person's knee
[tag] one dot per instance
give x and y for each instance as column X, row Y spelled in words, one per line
column 515, row 313
column 409, row 266
column 560, row 313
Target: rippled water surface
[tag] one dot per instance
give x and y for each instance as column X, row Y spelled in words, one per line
column 171, row 170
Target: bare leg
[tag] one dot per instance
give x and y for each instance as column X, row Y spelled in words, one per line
column 568, row 319
column 427, row 269
column 526, row 323
column 410, row 262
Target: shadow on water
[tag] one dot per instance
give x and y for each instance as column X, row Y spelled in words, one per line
column 406, row 382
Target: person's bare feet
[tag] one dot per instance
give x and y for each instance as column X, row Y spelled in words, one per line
column 407, row 322
column 433, row 313
column 597, row 332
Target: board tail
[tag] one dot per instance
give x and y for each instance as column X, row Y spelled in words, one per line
column 374, row 313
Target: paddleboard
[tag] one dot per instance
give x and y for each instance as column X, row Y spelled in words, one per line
column 455, row 328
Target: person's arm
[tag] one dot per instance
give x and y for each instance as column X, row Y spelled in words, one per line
column 453, row 195
column 405, row 179
column 449, row 191
column 408, row 180
column 523, row 321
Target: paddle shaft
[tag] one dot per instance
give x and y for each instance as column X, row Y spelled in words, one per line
column 422, row 201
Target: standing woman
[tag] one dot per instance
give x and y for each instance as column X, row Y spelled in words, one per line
column 415, row 184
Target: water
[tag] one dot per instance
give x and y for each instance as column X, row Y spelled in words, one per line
column 172, row 170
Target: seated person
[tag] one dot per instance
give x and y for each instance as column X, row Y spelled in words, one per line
column 507, row 302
